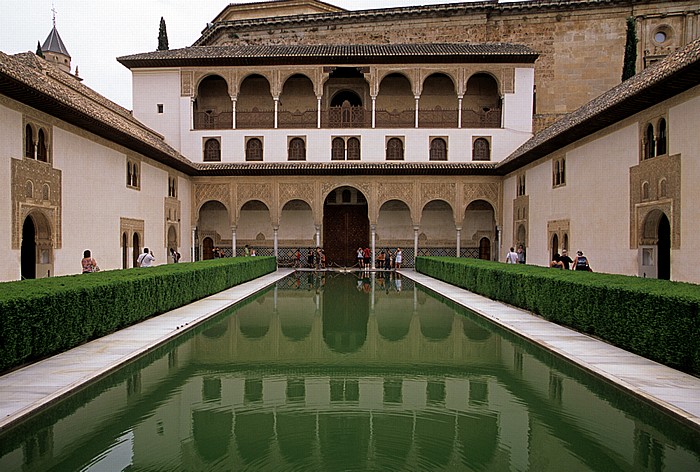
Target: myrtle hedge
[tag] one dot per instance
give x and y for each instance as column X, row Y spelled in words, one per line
column 657, row 319
column 46, row 316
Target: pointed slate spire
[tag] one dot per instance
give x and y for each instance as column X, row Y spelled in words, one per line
column 54, row 43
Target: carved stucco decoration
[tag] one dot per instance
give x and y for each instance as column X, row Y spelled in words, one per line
column 43, row 195
column 438, row 191
column 204, row 192
column 131, row 226
column 489, row 191
column 293, row 191
column 172, row 214
column 263, row 191
column 665, row 198
column 187, row 83
column 521, row 211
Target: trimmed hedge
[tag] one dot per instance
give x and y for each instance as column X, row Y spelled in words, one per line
column 43, row 317
column 656, row 319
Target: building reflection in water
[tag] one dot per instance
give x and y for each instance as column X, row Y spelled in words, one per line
column 328, row 371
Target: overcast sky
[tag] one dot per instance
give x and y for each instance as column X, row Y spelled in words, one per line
column 96, row 32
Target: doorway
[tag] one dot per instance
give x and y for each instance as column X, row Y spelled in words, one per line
column 28, row 251
column 345, row 225
column 664, row 248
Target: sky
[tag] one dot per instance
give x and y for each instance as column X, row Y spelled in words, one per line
column 96, row 32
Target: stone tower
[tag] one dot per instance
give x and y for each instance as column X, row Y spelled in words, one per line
column 55, row 51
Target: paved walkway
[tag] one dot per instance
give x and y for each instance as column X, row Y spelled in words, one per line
column 24, row 391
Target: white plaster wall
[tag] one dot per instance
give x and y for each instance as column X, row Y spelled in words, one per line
column 296, row 224
column 11, row 135
column 151, row 87
column 518, row 106
column 95, row 197
column 184, row 194
column 684, row 139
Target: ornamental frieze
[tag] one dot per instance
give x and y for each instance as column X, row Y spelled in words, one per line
column 255, row 191
column 207, row 192
column 291, row 191
column 438, row 191
column 396, row 191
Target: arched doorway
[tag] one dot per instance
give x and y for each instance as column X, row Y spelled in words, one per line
column 136, row 250
column 345, row 225
column 28, row 249
column 663, row 246
column 207, row 246
column 555, row 247
column 125, row 251
column 485, row 249
column 172, row 239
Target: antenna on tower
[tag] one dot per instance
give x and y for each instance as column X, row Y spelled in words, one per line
column 53, row 10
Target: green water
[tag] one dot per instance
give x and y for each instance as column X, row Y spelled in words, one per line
column 330, row 372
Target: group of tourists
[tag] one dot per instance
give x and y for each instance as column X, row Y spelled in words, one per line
column 390, row 260
column 315, row 258
column 559, row 261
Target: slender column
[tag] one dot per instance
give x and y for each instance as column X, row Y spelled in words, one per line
column 318, row 235
column 194, row 236
column 374, row 235
column 459, row 110
column 459, row 241
column 275, row 231
column 374, row 112
column 191, row 112
column 498, row 244
column 318, row 112
column 233, row 241
column 415, row 243
column 277, row 106
column 503, row 112
column 233, row 114
column 417, row 101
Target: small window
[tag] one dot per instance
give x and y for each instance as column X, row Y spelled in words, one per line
column 297, row 150
column 660, row 37
column 253, row 150
column 45, row 192
column 160, row 108
column 338, row 149
column 661, row 138
column 662, row 188
column 172, row 186
column 353, row 149
column 41, row 152
column 212, row 150
column 645, row 190
column 649, row 145
column 558, row 172
column 132, row 174
column 394, row 150
column 438, row 149
column 520, row 190
column 29, row 142
column 29, row 189
column 481, row 150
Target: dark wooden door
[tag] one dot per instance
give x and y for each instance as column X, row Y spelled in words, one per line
column 345, row 228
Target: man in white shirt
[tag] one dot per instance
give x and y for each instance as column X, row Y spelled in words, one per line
column 512, row 257
column 145, row 259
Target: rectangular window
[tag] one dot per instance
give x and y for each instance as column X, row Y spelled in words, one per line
column 559, row 172
column 160, row 108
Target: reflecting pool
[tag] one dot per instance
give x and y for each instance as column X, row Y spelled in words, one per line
column 337, row 372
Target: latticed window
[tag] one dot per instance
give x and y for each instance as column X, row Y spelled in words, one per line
column 254, row 150
column 29, row 142
column 521, row 186
column 353, row 149
column 394, row 150
column 661, row 139
column 481, row 150
column 438, row 150
column 338, row 149
column 297, row 150
column 212, row 150
column 559, row 172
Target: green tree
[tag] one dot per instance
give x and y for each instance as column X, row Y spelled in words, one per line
column 39, row 52
column 162, row 36
column 629, row 66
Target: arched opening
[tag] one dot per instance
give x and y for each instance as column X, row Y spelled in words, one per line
column 41, row 147
column 438, row 150
column 438, row 102
column 481, row 106
column 438, row 231
column 664, row 248
column 485, row 249
column 254, row 150
column 29, row 142
column 28, row 251
column 255, row 226
column 255, row 107
column 394, row 150
column 649, row 144
column 136, row 250
column 395, row 104
column 395, row 228
column 212, row 150
column 172, row 239
column 353, row 149
column 214, row 222
column 296, row 150
column 661, row 140
column 555, row 247
column 297, row 103
column 338, row 149
column 207, row 248
column 296, row 228
column 345, row 225
column 125, row 251
column 213, row 108
column 479, row 229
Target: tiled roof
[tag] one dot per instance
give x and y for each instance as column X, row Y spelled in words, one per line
column 675, row 74
column 36, row 83
column 246, row 54
column 53, row 43
column 346, row 168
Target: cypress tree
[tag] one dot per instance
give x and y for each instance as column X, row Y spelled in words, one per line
column 162, row 36
column 39, row 52
column 629, row 66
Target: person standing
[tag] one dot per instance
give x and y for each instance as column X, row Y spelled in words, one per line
column 175, row 255
column 88, row 263
column 565, row 259
column 360, row 256
column 310, row 258
column 146, row 259
column 297, row 259
column 246, row 251
column 512, row 256
column 398, row 258
column 521, row 254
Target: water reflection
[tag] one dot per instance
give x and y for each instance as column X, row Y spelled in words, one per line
column 343, row 372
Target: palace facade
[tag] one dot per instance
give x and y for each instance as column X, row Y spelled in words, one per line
column 295, row 124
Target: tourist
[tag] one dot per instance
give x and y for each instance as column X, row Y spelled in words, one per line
column 565, row 259
column 512, row 256
column 367, row 257
column 215, row 252
column 89, row 264
column 310, row 258
column 146, row 259
column 246, row 251
column 581, row 262
column 323, row 259
column 360, row 258
column 297, row 259
column 387, row 260
column 521, row 254
column 175, row 255
column 556, row 262
column 398, row 258
column 380, row 259
column 252, row 253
